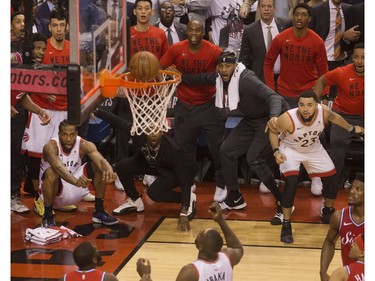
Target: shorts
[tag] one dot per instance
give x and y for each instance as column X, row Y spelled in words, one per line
column 36, row 135
column 317, row 163
column 69, row 194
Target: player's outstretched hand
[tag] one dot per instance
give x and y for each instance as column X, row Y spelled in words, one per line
column 144, row 269
column 216, row 212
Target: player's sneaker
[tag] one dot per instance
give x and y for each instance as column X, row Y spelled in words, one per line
column 89, row 197
column 192, row 207
column 220, row 194
column 104, row 218
column 129, row 206
column 316, row 186
column 233, row 201
column 39, row 207
column 17, row 206
column 263, row 188
column 286, row 233
column 148, row 179
column 327, row 214
column 48, row 221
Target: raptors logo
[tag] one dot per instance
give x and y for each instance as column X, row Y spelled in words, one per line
column 25, row 137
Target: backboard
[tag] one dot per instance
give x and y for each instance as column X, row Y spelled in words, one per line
column 98, row 35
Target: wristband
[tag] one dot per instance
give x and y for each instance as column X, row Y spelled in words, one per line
column 275, row 151
column 352, row 129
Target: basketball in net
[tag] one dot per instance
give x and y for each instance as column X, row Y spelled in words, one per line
column 144, row 66
column 149, row 100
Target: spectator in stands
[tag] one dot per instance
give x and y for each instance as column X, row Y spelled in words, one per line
column 144, row 36
column 174, row 31
column 260, row 108
column 349, row 103
column 162, row 157
column 195, row 109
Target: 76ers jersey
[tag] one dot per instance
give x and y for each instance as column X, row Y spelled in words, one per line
column 348, row 230
column 72, row 161
column 221, row 269
column 304, row 137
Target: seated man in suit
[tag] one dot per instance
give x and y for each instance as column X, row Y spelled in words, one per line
column 174, row 31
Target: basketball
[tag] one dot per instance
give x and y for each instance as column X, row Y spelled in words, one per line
column 144, row 66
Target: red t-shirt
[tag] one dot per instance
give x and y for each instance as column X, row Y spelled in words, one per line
column 153, row 40
column 350, row 90
column 185, row 61
column 302, row 62
column 54, row 56
column 348, row 230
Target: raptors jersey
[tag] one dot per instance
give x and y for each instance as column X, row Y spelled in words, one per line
column 72, row 161
column 304, row 137
column 221, row 269
column 89, row 275
column 356, row 271
column 348, row 231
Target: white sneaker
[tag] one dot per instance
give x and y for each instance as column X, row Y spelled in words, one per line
column 316, row 186
column 129, row 206
column 347, row 184
column 192, row 207
column 118, row 184
column 89, row 198
column 17, row 206
column 263, row 188
column 148, row 180
column 220, row 194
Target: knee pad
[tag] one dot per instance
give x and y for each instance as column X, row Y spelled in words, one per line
column 291, row 185
column 330, row 187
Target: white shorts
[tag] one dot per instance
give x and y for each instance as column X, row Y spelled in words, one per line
column 317, row 163
column 36, row 136
column 69, row 194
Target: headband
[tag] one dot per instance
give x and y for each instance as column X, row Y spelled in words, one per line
column 227, row 59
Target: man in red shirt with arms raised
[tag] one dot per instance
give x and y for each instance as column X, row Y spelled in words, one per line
column 195, row 108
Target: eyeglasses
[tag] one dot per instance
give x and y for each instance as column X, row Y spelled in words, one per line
column 166, row 10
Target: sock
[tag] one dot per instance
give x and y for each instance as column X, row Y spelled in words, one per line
column 99, row 204
column 48, row 212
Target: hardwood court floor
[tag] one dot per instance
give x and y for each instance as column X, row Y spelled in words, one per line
column 153, row 234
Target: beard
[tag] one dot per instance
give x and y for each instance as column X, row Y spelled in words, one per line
column 306, row 120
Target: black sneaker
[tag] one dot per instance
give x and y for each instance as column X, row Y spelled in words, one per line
column 234, row 201
column 327, row 214
column 286, row 233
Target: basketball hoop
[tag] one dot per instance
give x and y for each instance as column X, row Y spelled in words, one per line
column 148, row 100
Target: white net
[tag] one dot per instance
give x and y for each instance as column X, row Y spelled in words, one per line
column 149, row 101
